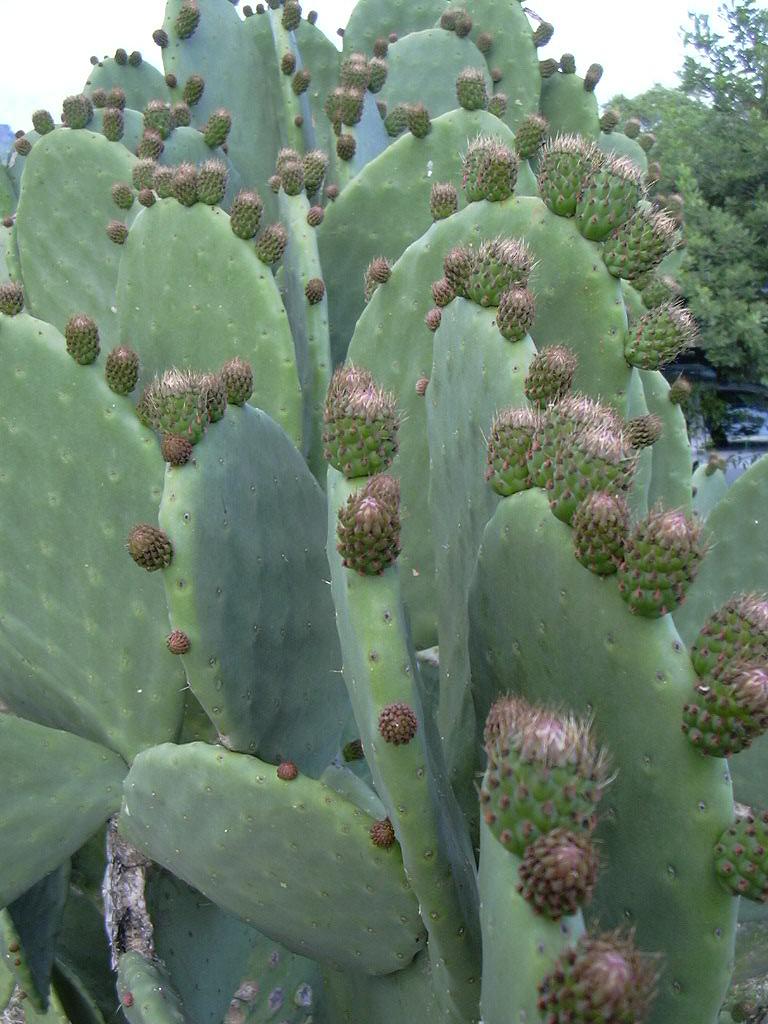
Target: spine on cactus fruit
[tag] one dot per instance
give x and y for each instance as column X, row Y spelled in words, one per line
column 149, row 547
column 550, row 375
column 497, row 266
column 660, row 336
column 470, row 89
column 565, row 162
column 738, row 631
column 509, row 442
column 176, row 404
column 237, row 377
column 729, row 709
column 82, row 338
column 369, row 537
column 516, row 313
column 595, row 459
column 608, row 198
column 530, row 135
column 443, row 200
column 121, row 370
column 640, row 244
column 360, row 424
column 600, row 530
column 377, row 272
column 11, row 298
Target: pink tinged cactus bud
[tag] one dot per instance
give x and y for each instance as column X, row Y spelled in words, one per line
column 149, row 547
column 82, row 338
column 42, row 122
column 443, row 200
column 736, row 632
column 643, row 431
column 463, row 24
column 662, row 558
column 178, row 642
column 382, row 834
column 143, row 174
column 346, row 146
column 147, row 197
column 98, row 98
column 730, row 709
column 442, row 292
column 176, row 403
column 421, row 386
column 315, row 216
column 291, row 18
column 23, row 146
column 368, row 530
column 659, row 336
column 544, row 772
column 332, row 192
column 116, row 98
column 600, row 530
column 470, row 89
column 314, row 291
column 77, row 111
column 497, row 266
column 113, row 124
column 509, row 442
column 360, row 424
column 380, row 47
column 603, row 979
column 565, row 163
column 741, row 860
column 162, row 182
column 543, row 34
column 550, row 375
column 355, row 72
column 287, row 771
column 150, row 146
column 271, row 244
column 157, row 116
column 187, row 19
column 245, row 213
column 379, row 70
column 484, row 42
column 433, row 318
column 496, row 75
column 176, row 450
column 185, row 183
column 11, row 298
column 448, row 19
column 558, row 873
column 121, row 370
column 237, row 377
column 497, row 104
column 212, row 182
column 377, row 272
column 315, row 166
column 122, row 195
column 457, row 267
column 515, row 314
column 397, row 723
column 288, row 63
column 160, row 38
column 300, row 81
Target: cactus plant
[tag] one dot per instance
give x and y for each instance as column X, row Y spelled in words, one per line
column 316, row 705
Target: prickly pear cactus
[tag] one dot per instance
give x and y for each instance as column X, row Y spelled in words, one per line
column 368, row 649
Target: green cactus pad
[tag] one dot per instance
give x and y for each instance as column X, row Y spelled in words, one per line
column 140, row 84
column 122, row 687
column 215, row 315
column 619, row 144
column 569, row 107
column 146, row 992
column 636, row 670
column 708, row 485
column 78, row 783
column 670, row 481
column 353, row 909
column 408, row 993
column 7, row 193
column 265, row 669
column 371, row 20
column 68, row 263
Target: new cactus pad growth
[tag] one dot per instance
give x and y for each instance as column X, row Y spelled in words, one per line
column 405, row 716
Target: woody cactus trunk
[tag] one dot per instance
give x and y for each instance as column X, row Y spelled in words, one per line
column 362, row 656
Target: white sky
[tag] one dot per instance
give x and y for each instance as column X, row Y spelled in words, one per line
column 46, row 44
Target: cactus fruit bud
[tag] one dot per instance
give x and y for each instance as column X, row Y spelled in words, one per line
column 112, row 124
column 122, row 195
column 594, row 459
column 609, row 120
column 11, row 298
column 160, row 38
column 647, row 140
column 470, row 89
column 193, row 90
column 558, row 873
column 544, row 772
column 121, row 370
column 443, row 200
column 185, row 184
column 496, row 267
column 738, row 631
column 568, row 64
column 291, row 18
column 300, row 81
column 496, row 75
column 543, row 33
column 510, row 439
column 312, row 17
column 82, row 338
column 214, row 392
column 187, row 19
column 643, row 431
column 484, row 42
column 237, row 377
column 77, row 111
column 573, row 413
column 457, row 266
column 660, row 336
column 607, row 198
column 353, row 751
column 419, row 123
column 176, row 451
column 42, row 122
column 601, row 979
column 730, row 709
column 346, row 146
column 157, row 116
column 442, row 292
column 217, row 127
column 271, row 244
column 564, row 163
column 661, row 560
column 489, row 170
column 332, row 192
column 632, row 128
column 355, row 72
column 640, row 244
column 380, row 47
column 378, row 69
column 98, row 99
column 315, row 168
column 23, row 146
column 592, row 77
column 245, row 213
column 143, row 174
column 116, row 98
column 178, row 642
column 515, row 314
column 211, row 182
column 600, row 529
column 315, row 216
column 135, row 59
column 530, row 135
column 369, row 527
column 448, row 19
column 550, row 375
column 377, row 272
column 288, row 63
column 162, row 181
column 463, row 25
column 361, row 421
column 397, row 723
column 497, row 105
column 714, row 463
column 121, row 56
column 150, row 146
column 548, row 67
column 315, row 291
column 177, row 404
column 433, row 318
column 680, row 390
column 421, row 386
column 396, row 121
column 287, row 771
column 382, row 833
column 741, row 862
column 149, row 547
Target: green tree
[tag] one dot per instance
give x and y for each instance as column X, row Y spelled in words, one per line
column 712, row 144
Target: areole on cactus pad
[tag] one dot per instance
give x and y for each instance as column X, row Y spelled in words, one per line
column 362, row 656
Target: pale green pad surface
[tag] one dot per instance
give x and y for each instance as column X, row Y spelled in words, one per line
column 386, row 207
column 568, row 107
column 146, row 992
column 578, row 304
column 140, row 84
column 619, row 144
column 519, row 947
column 7, row 193
column 371, row 19
column 637, row 498
column 708, row 489
column 220, row 302
column 409, row 995
column 353, row 908
column 671, row 473
column 424, row 66
column 570, row 634
column 248, row 585
column 82, row 628
column 57, row 789
column 68, row 263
